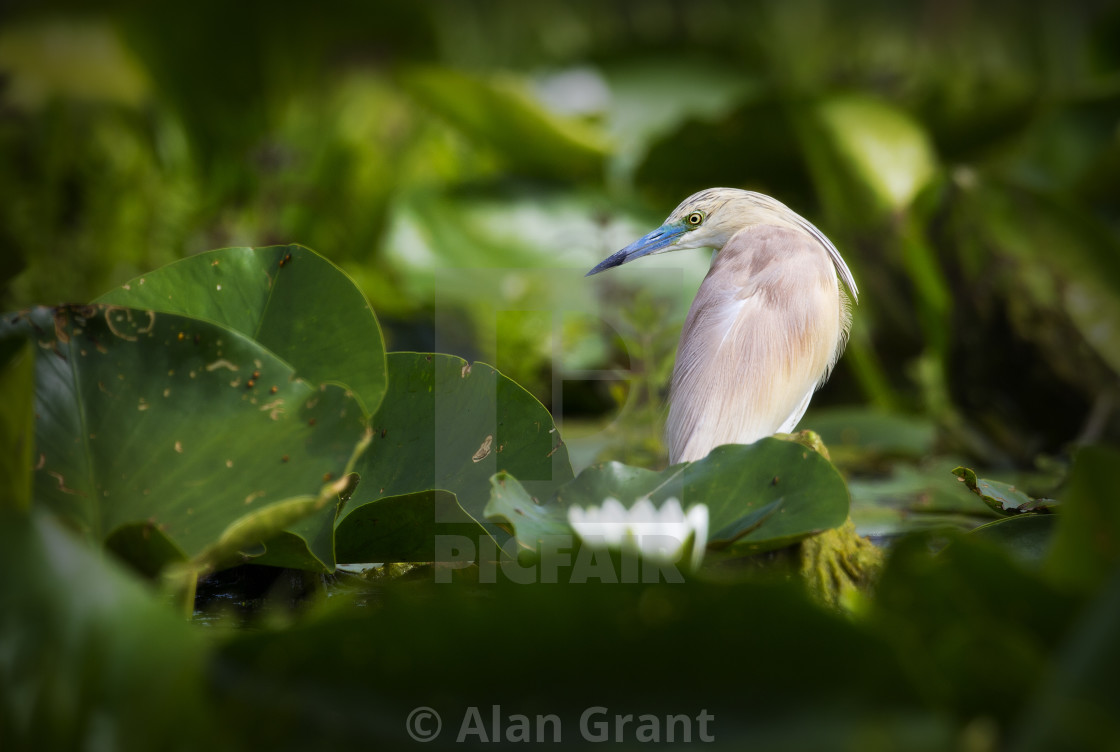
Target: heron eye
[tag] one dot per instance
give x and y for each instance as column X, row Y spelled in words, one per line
column 695, row 218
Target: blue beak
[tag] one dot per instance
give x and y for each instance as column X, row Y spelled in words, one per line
column 657, row 240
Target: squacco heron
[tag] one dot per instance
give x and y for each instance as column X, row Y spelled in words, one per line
column 767, row 324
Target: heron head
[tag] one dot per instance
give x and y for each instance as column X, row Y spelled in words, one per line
column 703, row 220
column 709, row 218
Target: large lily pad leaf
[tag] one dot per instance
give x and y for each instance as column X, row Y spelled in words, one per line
column 760, row 496
column 17, row 422
column 737, row 481
column 1086, row 547
column 156, row 427
column 446, row 425
column 974, row 625
column 288, row 298
column 403, row 528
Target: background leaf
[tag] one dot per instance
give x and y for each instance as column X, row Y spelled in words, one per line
column 502, row 116
column 860, row 147
column 860, row 433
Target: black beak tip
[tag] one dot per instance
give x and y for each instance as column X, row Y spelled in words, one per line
column 607, row 263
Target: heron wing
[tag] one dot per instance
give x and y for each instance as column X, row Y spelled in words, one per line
column 763, row 332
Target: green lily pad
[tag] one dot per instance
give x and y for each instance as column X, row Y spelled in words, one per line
column 532, row 520
column 288, row 298
column 152, row 427
column 446, row 425
column 402, row 528
column 738, row 481
column 1003, row 497
column 760, row 496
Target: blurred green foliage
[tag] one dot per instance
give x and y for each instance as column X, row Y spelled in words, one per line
column 964, row 159
column 465, row 163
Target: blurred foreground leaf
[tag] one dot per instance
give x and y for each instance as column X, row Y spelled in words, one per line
column 1086, row 547
column 975, row 628
column 327, row 683
column 17, row 422
column 91, row 658
column 1079, row 706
